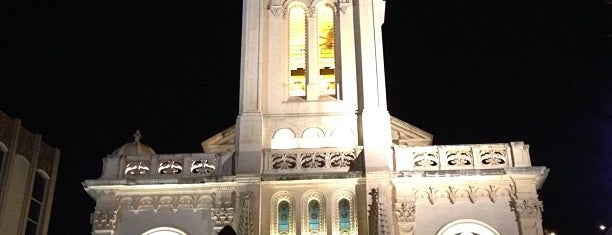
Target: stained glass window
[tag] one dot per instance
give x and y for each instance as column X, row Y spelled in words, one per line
column 344, row 211
column 314, row 213
column 327, row 62
column 283, row 217
column 297, row 51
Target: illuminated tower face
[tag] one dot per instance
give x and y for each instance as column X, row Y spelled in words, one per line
column 311, row 77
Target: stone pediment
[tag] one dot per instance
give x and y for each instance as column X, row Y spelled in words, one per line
column 402, row 133
column 221, row 142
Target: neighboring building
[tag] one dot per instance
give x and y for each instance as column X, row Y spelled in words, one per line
column 28, row 171
column 315, row 151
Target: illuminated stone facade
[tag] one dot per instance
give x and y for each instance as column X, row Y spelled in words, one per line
column 315, row 151
column 28, row 171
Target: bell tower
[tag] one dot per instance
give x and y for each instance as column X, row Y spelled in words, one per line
column 312, row 76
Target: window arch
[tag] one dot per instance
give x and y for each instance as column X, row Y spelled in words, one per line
column 164, row 231
column 297, row 49
column 313, row 209
column 312, row 137
column 343, row 210
column 284, row 138
column 468, row 227
column 312, row 50
column 282, row 214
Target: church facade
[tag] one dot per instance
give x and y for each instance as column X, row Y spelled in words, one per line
column 315, row 151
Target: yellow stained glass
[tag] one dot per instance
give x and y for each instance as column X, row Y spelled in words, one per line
column 326, row 42
column 297, row 51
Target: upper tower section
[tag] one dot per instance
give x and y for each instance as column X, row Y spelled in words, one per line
column 312, row 65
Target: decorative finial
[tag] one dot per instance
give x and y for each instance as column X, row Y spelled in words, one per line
column 137, row 136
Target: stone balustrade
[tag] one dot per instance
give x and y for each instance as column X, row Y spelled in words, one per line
column 461, row 157
column 173, row 165
column 304, row 160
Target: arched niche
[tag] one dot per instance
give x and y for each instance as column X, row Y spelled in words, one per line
column 164, row 231
column 467, row 227
column 284, row 138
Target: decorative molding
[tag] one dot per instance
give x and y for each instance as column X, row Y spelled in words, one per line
column 376, row 214
column 245, row 223
column 222, row 217
column 195, row 202
column 342, row 5
column 531, row 208
column 103, row 220
column 471, row 193
column 404, row 212
column 277, row 10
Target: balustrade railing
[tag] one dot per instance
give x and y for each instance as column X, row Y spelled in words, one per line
column 172, row 165
column 453, row 157
column 309, row 159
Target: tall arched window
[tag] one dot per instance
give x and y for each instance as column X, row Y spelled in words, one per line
column 344, row 216
column 326, row 43
column 284, row 217
column 281, row 212
column 297, row 50
column 314, row 215
column 344, row 221
column 312, row 50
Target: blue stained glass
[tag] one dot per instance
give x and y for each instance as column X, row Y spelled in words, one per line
column 314, row 212
column 283, row 217
column 344, row 210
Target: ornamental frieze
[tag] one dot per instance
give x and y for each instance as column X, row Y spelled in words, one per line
column 468, row 193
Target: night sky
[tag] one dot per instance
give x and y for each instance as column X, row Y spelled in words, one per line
column 86, row 74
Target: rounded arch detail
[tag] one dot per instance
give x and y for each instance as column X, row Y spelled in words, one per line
column 468, row 227
column 164, row 231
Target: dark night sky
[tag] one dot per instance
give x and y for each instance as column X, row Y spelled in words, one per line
column 86, row 74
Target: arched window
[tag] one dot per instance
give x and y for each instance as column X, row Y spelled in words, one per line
column 344, row 216
column 326, row 50
column 314, row 215
column 164, row 231
column 284, row 138
column 312, row 50
column 284, row 217
column 467, row 227
column 344, row 221
column 297, row 50
column 281, row 211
